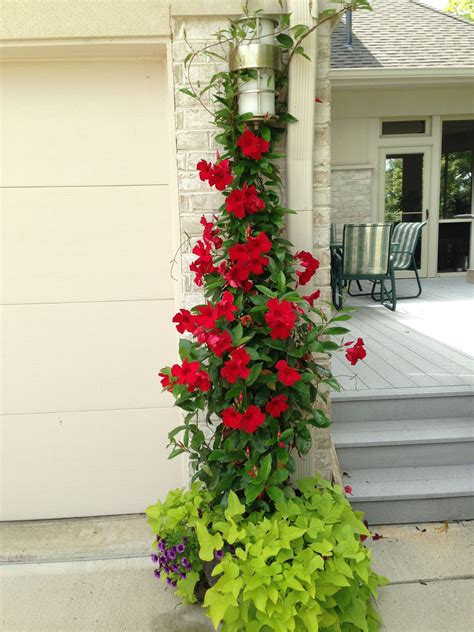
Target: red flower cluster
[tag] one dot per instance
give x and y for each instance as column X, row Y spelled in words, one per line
column 236, row 366
column 245, row 201
column 188, row 373
column 286, row 374
column 203, row 249
column 356, row 352
column 280, row 318
column 218, row 175
column 247, row 258
column 248, row 421
column 252, row 146
column 277, row 405
column 310, row 265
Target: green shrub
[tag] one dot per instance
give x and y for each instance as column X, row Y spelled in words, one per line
column 303, row 567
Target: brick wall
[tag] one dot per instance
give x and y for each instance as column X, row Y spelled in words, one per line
column 351, row 196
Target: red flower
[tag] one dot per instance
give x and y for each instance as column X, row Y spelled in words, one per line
column 218, row 175
column 237, row 276
column 221, row 175
column 252, row 419
column 312, row 297
column 280, row 318
column 236, row 366
column 287, row 375
column 246, row 320
column 310, row 265
column 219, row 342
column 245, row 201
column 347, row 489
column 165, row 381
column 225, row 308
column 184, row 321
column 252, row 146
column 206, row 316
column 190, row 374
column 277, row 405
column 356, row 352
column 210, row 233
column 203, row 381
column 231, row 418
column 255, row 247
column 204, row 263
column 205, row 169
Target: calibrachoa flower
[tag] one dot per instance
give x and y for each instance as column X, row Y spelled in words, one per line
column 277, row 405
column 243, row 202
column 310, row 265
column 252, row 146
column 236, row 366
column 218, row 175
column 356, row 352
column 286, row 374
column 280, row 318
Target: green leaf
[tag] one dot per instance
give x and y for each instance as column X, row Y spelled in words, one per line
column 303, row 440
column 188, row 92
column 254, row 373
column 265, row 467
column 252, row 491
column 285, row 40
column 264, row 290
column 234, row 506
column 276, row 494
column 186, row 403
column 208, row 543
column 237, row 334
column 336, row 331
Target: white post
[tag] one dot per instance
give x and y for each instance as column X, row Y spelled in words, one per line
column 299, row 151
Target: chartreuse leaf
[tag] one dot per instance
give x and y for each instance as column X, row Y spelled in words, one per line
column 234, row 506
column 208, row 543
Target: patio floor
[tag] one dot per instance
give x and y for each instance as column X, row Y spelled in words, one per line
column 427, row 342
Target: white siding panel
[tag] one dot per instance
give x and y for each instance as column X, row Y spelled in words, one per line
column 92, row 463
column 86, row 244
column 86, row 356
column 84, row 122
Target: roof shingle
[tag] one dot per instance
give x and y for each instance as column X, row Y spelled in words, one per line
column 404, row 34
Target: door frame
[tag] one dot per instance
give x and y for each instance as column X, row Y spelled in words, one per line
column 427, row 215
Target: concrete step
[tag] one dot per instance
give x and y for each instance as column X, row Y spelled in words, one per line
column 398, row 404
column 404, row 443
column 413, row 494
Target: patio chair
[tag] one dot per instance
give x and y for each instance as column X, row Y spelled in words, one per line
column 406, row 235
column 366, row 255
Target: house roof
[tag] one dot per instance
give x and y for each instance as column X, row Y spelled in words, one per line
column 404, row 34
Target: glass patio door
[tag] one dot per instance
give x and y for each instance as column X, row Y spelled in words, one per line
column 404, row 192
column 456, row 207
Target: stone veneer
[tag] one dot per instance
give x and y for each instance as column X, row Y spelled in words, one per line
column 194, row 140
column 351, row 196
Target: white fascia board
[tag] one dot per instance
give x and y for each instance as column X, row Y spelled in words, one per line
column 377, row 77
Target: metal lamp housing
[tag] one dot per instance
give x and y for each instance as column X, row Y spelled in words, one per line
column 259, row 54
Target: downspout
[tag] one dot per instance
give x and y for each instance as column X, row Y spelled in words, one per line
column 299, row 152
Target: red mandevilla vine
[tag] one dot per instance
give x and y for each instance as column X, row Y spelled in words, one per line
column 249, row 380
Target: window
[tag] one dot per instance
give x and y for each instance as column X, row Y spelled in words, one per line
column 391, row 128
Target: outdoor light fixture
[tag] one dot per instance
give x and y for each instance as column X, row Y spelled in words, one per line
column 258, row 55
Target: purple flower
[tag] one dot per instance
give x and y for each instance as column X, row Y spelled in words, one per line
column 182, row 575
column 185, row 540
column 162, row 546
column 180, row 548
column 174, row 583
column 175, row 568
column 157, row 573
column 154, row 558
column 171, row 554
column 218, row 555
column 168, row 581
column 162, row 559
column 185, row 563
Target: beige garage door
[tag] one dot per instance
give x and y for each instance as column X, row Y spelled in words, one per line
column 87, row 237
